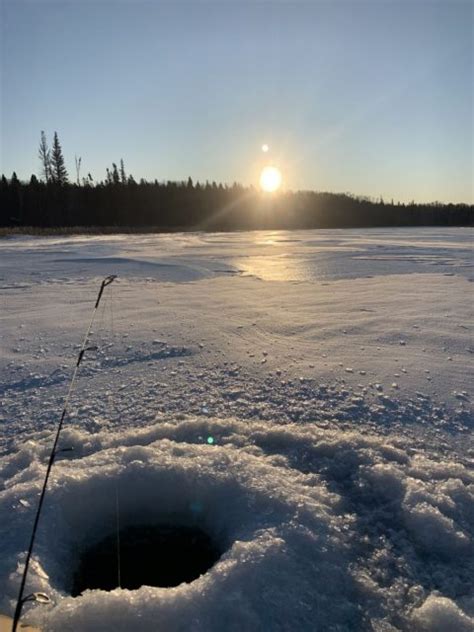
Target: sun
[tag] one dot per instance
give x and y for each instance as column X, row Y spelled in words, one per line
column 270, row 179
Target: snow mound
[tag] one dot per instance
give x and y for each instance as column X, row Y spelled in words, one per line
column 160, row 269
column 318, row 529
column 438, row 613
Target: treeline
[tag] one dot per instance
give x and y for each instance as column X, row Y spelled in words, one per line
column 120, row 201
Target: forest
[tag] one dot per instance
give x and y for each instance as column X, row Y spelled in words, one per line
column 52, row 200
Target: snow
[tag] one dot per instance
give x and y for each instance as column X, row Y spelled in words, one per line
column 269, row 387
column 440, row 613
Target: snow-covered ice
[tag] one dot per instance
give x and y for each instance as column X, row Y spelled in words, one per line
column 304, row 397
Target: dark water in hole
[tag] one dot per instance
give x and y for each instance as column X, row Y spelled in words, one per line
column 158, row 555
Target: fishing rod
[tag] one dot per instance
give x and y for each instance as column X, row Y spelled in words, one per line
column 38, row 596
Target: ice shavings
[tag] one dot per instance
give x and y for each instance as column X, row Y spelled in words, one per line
column 334, row 522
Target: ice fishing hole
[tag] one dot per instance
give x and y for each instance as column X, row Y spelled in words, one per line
column 152, row 555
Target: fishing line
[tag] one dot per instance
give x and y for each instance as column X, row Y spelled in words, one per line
column 110, row 305
column 40, row 597
column 117, row 525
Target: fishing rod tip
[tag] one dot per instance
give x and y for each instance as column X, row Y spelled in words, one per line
column 109, row 279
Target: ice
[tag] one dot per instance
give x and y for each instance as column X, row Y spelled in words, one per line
column 340, row 499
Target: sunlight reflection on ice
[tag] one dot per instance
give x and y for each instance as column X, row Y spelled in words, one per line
column 277, row 268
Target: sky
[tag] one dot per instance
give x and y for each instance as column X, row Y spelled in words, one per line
column 369, row 97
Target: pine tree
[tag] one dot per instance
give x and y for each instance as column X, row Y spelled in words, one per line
column 58, row 168
column 44, row 155
column 123, row 176
column 115, row 174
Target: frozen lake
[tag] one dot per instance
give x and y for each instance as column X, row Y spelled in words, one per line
column 267, row 255
column 333, row 372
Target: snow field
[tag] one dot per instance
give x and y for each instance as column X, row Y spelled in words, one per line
column 305, row 398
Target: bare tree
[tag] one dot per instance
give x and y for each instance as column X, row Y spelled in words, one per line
column 78, row 168
column 44, row 155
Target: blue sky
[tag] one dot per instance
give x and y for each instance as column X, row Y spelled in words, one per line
column 373, row 98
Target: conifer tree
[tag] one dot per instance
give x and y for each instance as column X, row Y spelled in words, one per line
column 123, row 176
column 44, row 154
column 115, row 174
column 58, row 168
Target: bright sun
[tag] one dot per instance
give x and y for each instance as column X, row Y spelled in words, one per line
column 270, row 179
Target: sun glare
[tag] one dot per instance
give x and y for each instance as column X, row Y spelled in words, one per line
column 270, row 179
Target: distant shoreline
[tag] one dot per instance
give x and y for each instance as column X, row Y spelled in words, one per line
column 158, row 207
column 36, row 231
